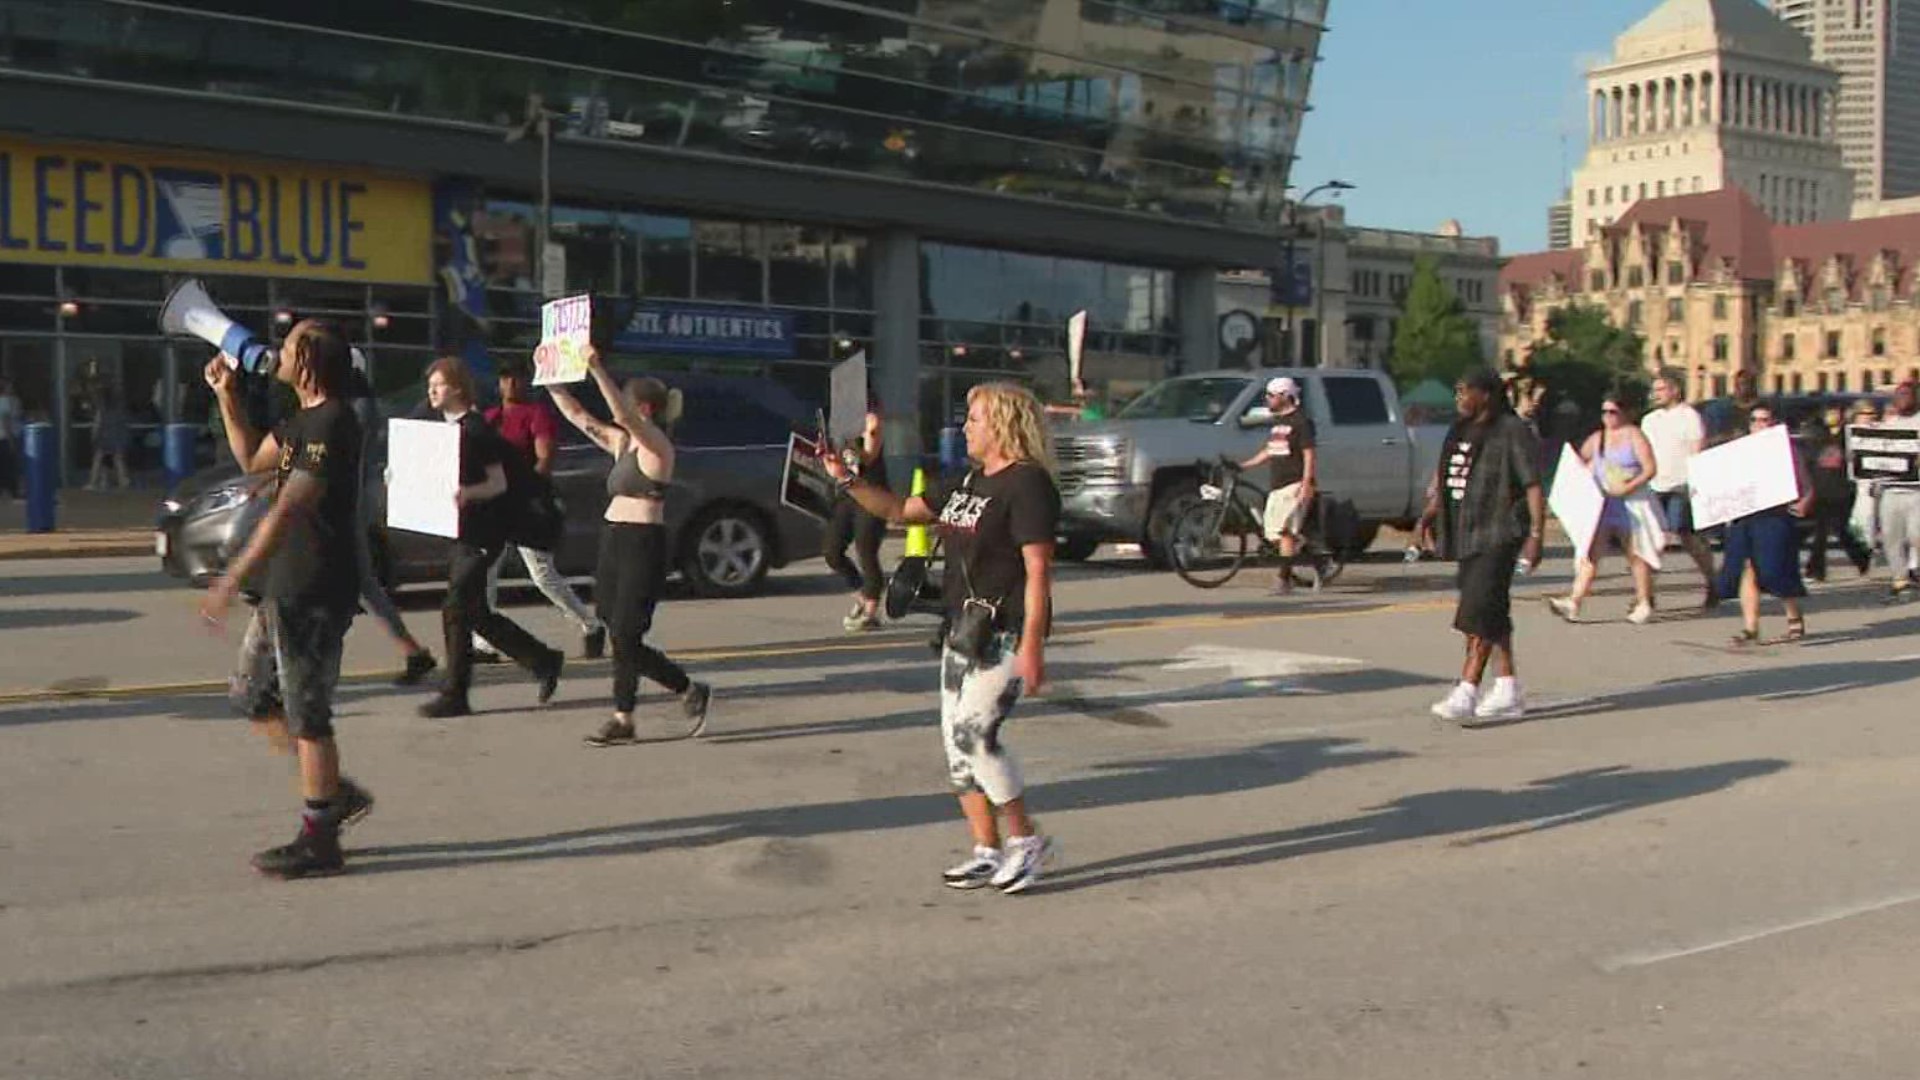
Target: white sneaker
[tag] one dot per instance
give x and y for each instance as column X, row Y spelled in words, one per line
column 1503, row 702
column 975, row 872
column 1020, row 864
column 1641, row 615
column 1565, row 607
column 1457, row 705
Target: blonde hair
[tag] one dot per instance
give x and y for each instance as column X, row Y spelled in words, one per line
column 1017, row 421
column 665, row 404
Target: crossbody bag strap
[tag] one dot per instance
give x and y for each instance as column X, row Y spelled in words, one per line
column 966, row 571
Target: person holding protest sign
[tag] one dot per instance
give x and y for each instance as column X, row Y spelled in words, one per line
column 488, row 499
column 999, row 524
column 1762, row 551
column 1622, row 462
column 850, row 524
column 634, row 555
column 1899, row 503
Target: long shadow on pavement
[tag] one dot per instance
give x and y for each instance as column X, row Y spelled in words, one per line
column 1761, row 684
column 1114, row 784
column 41, row 618
column 1553, row 803
column 88, row 584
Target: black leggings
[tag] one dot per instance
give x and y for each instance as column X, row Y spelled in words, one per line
column 633, row 570
column 465, row 613
column 864, row 531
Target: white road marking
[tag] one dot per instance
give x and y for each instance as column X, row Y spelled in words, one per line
column 1642, row 959
column 1258, row 663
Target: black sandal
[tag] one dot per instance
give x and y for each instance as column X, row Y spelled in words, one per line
column 1745, row 638
column 1796, row 628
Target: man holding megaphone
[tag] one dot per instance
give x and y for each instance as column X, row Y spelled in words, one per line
column 303, row 558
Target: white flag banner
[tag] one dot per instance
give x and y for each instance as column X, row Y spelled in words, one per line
column 1576, row 500
column 424, row 465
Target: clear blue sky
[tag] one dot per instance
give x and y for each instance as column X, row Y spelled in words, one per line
column 1444, row 109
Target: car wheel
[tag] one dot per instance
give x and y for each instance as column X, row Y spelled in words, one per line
column 1076, row 548
column 727, row 553
column 1172, row 501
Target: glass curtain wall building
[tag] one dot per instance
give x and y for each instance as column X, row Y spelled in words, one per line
column 755, row 186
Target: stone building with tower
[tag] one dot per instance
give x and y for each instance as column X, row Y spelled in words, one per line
column 1705, row 94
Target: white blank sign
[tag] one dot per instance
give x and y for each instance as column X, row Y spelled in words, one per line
column 1748, row 475
column 1577, row 501
column 423, row 463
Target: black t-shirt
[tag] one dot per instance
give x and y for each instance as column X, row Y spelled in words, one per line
column 985, row 520
column 1288, row 441
column 1462, row 449
column 318, row 557
column 483, row 524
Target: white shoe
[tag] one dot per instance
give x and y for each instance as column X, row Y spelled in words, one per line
column 1503, row 702
column 1641, row 615
column 1565, row 607
column 1021, row 862
column 976, row 871
column 1458, row 704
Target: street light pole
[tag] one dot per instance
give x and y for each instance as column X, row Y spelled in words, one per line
column 1320, row 267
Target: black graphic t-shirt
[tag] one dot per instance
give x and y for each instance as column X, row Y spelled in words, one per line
column 318, row 557
column 985, row 521
column 1458, row 456
column 1288, row 441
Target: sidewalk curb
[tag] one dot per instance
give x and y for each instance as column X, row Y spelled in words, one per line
column 116, row 543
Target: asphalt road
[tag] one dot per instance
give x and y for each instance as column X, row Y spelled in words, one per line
column 1274, row 863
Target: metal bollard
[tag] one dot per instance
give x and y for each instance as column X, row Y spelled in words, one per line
column 41, row 448
column 176, row 451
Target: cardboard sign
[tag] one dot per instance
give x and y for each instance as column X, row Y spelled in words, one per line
column 1883, row 453
column 424, row 462
column 1750, row 474
column 804, row 484
column 566, row 330
column 847, row 399
column 1576, row 500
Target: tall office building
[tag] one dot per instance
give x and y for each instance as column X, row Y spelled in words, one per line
column 1875, row 45
column 1705, row 94
column 1560, row 224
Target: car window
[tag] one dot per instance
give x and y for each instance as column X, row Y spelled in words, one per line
column 1186, row 399
column 721, row 416
column 1355, row 400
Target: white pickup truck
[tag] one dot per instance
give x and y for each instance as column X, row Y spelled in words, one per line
column 1126, row 479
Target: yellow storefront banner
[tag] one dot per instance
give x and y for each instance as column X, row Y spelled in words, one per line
column 75, row 204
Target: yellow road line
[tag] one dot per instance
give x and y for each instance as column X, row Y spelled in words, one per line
column 695, row 656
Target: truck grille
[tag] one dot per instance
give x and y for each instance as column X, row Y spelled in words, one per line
column 1087, row 460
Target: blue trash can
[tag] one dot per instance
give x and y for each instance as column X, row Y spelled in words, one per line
column 176, row 451
column 41, row 450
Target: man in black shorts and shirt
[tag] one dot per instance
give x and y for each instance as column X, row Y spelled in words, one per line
column 1290, row 448
column 1487, row 499
column 304, row 556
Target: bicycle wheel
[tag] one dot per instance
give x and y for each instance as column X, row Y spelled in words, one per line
column 1208, row 543
column 1327, row 566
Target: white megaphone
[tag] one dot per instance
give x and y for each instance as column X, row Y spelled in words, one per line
column 190, row 312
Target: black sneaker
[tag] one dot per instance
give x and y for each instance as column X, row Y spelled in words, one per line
column 593, row 646
column 694, row 704
column 488, row 656
column 614, row 732
column 313, row 853
column 444, row 707
column 418, row 666
column 352, row 802
column 548, row 675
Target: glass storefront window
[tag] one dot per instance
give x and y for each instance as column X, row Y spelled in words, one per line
column 852, row 272
column 797, row 257
column 728, row 254
column 666, row 257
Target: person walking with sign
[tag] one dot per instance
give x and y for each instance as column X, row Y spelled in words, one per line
column 487, row 498
column 998, row 525
column 528, row 426
column 1490, row 512
column 1622, row 463
column 851, row 524
column 305, row 557
column 1762, row 551
column 1899, row 503
column 634, row 554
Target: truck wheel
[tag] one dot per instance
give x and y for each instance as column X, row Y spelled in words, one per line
column 1076, row 548
column 1172, row 501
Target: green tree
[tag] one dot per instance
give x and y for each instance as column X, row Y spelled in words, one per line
column 1435, row 339
column 1584, row 357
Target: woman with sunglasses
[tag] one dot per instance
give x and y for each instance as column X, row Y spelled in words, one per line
column 1623, row 465
column 1763, row 552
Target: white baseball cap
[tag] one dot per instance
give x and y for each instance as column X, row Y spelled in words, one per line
column 1281, row 384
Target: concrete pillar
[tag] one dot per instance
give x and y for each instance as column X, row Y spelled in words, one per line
column 1193, row 305
column 895, row 369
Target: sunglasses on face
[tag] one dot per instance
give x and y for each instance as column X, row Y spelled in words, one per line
column 1609, row 411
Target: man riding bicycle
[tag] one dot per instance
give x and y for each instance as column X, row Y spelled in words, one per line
column 1290, row 449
